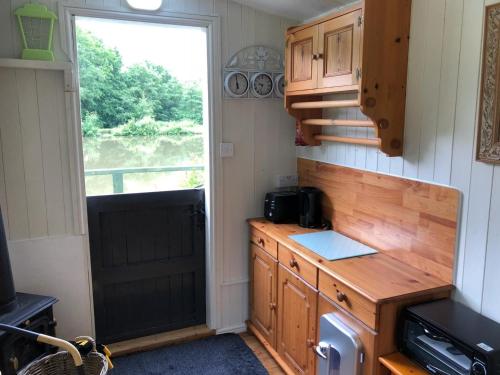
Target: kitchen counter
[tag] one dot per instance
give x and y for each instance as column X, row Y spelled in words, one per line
column 378, row 277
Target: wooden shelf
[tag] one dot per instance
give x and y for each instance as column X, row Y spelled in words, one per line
column 35, row 64
column 326, row 104
column 399, row 364
column 62, row 66
column 354, row 141
column 337, row 122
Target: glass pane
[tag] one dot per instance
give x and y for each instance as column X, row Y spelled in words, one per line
column 143, row 104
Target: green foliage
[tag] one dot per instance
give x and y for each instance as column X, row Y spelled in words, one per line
column 100, row 79
column 148, row 127
column 145, row 127
column 91, row 125
column 192, row 103
column 194, row 179
column 120, row 96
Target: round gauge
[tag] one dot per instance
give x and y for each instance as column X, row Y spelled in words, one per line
column 279, row 85
column 236, row 84
column 262, row 85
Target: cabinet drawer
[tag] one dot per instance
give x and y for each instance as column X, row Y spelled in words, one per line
column 264, row 242
column 298, row 265
column 348, row 299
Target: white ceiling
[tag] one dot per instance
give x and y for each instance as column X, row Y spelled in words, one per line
column 295, row 9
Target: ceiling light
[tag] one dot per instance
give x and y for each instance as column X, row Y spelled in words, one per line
column 145, row 4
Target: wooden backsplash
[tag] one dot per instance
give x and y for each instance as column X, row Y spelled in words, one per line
column 412, row 221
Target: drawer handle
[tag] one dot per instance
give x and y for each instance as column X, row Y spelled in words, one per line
column 272, row 306
column 341, row 297
column 293, row 263
column 261, row 242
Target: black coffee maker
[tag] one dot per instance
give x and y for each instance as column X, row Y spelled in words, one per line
column 310, row 214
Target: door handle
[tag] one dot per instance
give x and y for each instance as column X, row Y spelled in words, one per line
column 199, row 211
column 321, row 349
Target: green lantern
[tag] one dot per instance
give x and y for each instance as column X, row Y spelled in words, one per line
column 36, row 23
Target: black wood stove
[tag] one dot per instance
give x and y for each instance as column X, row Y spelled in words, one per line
column 22, row 310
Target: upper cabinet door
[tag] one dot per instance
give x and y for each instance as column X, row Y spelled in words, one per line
column 301, row 60
column 340, row 51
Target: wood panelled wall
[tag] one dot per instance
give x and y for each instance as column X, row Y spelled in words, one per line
column 35, row 188
column 261, row 131
column 443, row 82
column 412, row 221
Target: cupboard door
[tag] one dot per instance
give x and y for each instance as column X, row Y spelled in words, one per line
column 301, row 60
column 263, row 293
column 367, row 336
column 296, row 322
column 340, row 51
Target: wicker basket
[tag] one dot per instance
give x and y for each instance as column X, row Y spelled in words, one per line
column 62, row 364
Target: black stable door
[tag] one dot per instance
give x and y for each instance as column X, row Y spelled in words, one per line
column 148, row 262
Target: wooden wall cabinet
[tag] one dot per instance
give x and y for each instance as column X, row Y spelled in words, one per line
column 325, row 55
column 362, row 51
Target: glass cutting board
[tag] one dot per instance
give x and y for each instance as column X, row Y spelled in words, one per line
column 332, row 245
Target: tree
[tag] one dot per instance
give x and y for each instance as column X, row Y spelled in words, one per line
column 153, row 84
column 192, row 103
column 101, row 83
column 113, row 96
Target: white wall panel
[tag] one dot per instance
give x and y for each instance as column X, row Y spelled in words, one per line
column 56, row 266
column 13, row 157
column 490, row 300
column 26, row 94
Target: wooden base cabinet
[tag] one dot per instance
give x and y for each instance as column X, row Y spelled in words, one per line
column 263, row 301
column 297, row 306
column 290, row 290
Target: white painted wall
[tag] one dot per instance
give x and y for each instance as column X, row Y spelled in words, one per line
column 44, row 248
column 442, row 103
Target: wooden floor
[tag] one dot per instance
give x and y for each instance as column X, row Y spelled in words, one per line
column 267, row 361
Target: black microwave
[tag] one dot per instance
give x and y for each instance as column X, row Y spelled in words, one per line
column 447, row 338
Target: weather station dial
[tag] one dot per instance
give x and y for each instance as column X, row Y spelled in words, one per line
column 236, row 84
column 279, row 85
column 262, row 85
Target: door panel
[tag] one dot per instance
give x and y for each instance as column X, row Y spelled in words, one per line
column 148, row 262
column 302, row 66
column 339, row 51
column 367, row 336
column 297, row 303
column 263, row 293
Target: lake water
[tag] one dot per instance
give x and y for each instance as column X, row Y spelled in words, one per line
column 110, row 152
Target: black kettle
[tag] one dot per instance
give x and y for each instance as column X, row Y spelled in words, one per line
column 310, row 213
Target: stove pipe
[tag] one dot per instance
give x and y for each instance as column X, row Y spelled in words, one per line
column 7, row 292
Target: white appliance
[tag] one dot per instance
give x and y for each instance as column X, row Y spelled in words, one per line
column 339, row 351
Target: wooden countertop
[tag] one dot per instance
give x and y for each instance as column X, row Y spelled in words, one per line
column 377, row 277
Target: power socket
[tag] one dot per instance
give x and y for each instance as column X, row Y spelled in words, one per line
column 283, row 181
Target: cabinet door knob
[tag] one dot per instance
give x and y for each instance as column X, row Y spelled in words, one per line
column 310, row 343
column 341, row 297
column 293, row 263
column 272, row 306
